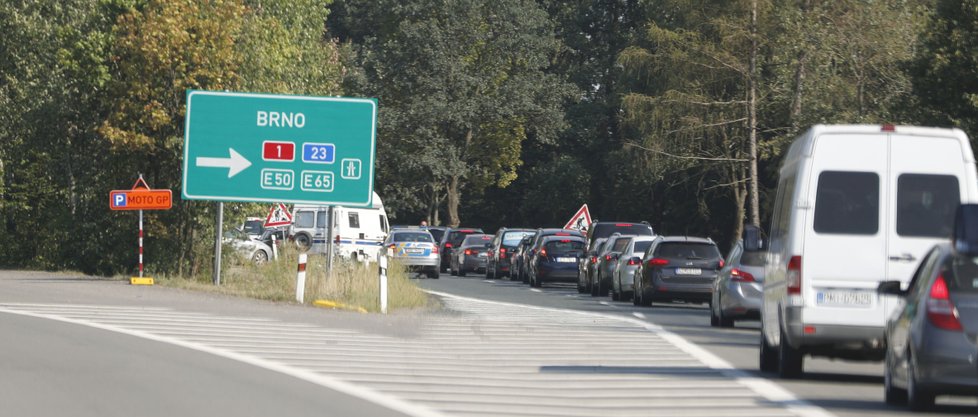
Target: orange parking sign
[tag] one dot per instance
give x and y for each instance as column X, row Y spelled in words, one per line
column 140, row 197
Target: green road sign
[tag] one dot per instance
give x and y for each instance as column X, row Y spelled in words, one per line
column 277, row 148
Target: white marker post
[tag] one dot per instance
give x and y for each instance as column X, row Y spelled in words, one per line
column 382, row 267
column 274, row 248
column 300, row 279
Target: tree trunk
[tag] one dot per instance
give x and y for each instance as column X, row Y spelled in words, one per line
column 453, row 201
column 755, row 212
column 796, row 98
column 740, row 199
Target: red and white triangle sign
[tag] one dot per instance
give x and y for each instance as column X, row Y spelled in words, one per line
column 278, row 216
column 581, row 220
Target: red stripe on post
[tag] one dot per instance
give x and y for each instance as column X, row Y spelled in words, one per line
column 302, row 267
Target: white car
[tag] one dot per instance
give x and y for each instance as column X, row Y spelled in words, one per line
column 252, row 249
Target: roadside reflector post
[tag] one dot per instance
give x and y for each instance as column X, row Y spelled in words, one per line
column 300, row 279
column 382, row 267
column 274, row 248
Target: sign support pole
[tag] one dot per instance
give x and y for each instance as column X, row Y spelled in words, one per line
column 217, row 243
column 329, row 242
column 140, row 243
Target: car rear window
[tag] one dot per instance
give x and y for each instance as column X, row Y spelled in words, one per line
column 437, row 234
column 753, row 258
column 619, row 245
column 847, row 203
column 625, row 228
column 687, row 250
column 963, row 276
column 456, row 236
column 476, row 240
column 926, row 205
column 412, row 237
column 514, row 238
column 564, row 246
column 641, row 247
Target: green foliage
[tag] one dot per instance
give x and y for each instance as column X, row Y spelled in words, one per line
column 945, row 73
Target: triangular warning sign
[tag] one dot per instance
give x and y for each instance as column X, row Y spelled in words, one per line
column 278, row 216
column 581, row 219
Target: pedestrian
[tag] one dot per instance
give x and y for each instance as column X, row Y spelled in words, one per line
column 424, row 223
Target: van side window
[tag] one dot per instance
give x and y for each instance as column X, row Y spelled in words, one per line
column 354, row 220
column 926, row 205
column 304, row 219
column 847, row 203
column 383, row 224
column 321, row 219
column 782, row 211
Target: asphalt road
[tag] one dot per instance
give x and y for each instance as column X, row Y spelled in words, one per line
column 845, row 388
column 50, row 367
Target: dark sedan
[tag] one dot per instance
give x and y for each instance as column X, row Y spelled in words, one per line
column 930, row 339
column 677, row 268
column 500, row 257
column 556, row 260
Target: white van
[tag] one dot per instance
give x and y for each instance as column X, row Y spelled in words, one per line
column 357, row 232
column 856, row 205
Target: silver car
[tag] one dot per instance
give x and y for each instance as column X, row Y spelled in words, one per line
column 607, row 258
column 930, row 339
column 624, row 271
column 251, row 249
column 415, row 249
column 739, row 288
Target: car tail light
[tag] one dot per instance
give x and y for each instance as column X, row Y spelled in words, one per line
column 623, row 225
column 434, row 249
column 502, row 253
column 658, row 262
column 607, row 257
column 466, row 231
column 594, row 259
column 737, row 275
column 940, row 310
column 721, row 263
column 565, row 241
column 543, row 253
column 393, row 246
column 794, row 276
column 448, row 245
column 561, row 234
column 468, row 251
column 634, row 261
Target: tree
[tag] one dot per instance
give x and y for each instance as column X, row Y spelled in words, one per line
column 463, row 84
column 945, row 74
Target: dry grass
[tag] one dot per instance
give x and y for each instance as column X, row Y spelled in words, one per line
column 351, row 283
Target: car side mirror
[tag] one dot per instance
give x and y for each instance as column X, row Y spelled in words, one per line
column 890, row 288
column 965, row 236
column 753, row 238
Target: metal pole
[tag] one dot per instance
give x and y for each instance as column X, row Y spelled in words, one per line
column 219, row 226
column 382, row 267
column 140, row 243
column 329, row 242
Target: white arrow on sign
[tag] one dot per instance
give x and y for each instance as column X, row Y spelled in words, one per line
column 235, row 163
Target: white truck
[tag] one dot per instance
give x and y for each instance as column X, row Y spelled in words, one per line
column 856, row 205
column 357, row 232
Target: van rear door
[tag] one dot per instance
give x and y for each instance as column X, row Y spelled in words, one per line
column 844, row 254
column 929, row 179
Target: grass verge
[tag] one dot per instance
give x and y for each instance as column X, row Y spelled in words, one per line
column 351, row 283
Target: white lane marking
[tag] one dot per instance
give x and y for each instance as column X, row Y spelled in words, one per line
column 535, row 290
column 605, row 303
column 766, row 389
column 489, row 281
column 335, row 384
column 639, row 315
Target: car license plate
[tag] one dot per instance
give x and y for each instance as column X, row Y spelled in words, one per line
column 689, row 271
column 844, row 298
column 413, row 251
column 566, row 259
column 482, row 255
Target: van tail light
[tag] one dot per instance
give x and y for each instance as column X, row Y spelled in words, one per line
column 502, row 253
column 737, row 275
column 940, row 309
column 543, row 253
column 794, row 276
column 468, row 251
column 658, row 262
column 634, row 261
